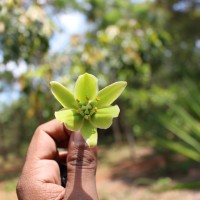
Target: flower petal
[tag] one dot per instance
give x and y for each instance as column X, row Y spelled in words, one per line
column 63, row 95
column 109, row 94
column 104, row 116
column 72, row 120
column 89, row 133
column 86, row 87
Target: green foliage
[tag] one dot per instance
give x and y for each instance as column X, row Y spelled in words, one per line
column 182, row 25
column 151, row 46
column 182, row 120
column 24, row 31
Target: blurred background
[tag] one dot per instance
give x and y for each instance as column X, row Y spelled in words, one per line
column 153, row 149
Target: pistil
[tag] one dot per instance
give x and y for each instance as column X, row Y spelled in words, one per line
column 87, row 109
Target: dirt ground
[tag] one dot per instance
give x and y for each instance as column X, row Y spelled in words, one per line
column 117, row 189
column 119, row 176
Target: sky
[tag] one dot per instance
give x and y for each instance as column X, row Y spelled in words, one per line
column 70, row 23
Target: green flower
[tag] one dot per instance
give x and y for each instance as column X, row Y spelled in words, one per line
column 87, row 109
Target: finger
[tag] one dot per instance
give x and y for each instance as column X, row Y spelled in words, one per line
column 46, row 139
column 81, row 169
column 41, row 178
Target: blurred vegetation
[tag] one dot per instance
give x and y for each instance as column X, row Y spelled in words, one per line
column 154, row 46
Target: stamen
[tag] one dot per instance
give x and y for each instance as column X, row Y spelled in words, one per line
column 78, row 110
column 97, row 99
column 78, row 101
column 87, row 98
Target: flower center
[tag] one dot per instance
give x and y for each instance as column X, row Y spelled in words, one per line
column 86, row 109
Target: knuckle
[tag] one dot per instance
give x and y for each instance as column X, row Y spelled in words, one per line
column 82, row 157
column 39, row 129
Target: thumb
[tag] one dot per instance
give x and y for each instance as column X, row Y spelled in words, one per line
column 81, row 170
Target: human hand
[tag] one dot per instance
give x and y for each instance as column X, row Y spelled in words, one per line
column 40, row 178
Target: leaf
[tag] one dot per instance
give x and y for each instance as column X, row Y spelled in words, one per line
column 86, row 87
column 109, row 94
column 179, row 148
column 104, row 116
column 179, row 132
column 63, row 95
column 190, row 120
column 89, row 133
column 72, row 120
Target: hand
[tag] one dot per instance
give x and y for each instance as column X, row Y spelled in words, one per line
column 41, row 178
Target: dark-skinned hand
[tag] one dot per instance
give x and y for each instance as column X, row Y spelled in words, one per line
column 41, row 176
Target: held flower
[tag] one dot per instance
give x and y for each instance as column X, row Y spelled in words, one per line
column 87, row 109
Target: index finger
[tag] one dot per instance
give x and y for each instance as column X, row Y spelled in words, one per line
column 46, row 139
